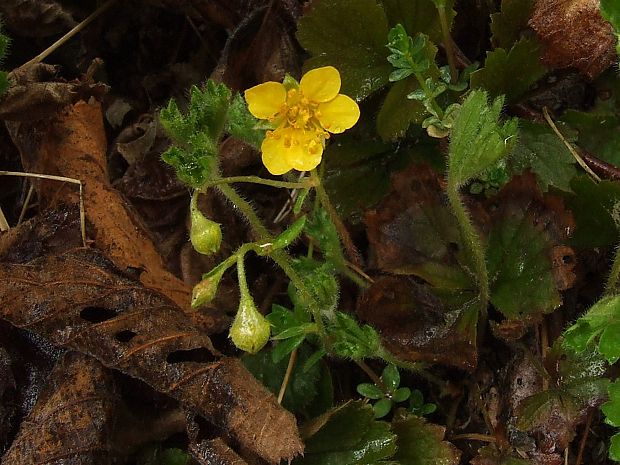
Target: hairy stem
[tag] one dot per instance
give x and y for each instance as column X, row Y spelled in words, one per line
column 472, row 243
column 347, row 242
column 262, row 181
column 279, row 256
column 611, row 287
column 436, row 108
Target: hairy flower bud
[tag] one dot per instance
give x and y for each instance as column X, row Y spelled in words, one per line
column 205, row 235
column 250, row 330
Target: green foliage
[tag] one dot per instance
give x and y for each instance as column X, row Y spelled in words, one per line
column 321, row 283
column 610, row 10
column 212, row 110
column 507, row 25
column 417, row 406
column 539, row 150
column 408, row 56
column 347, row 435
column 510, row 73
column 418, row 16
column 397, row 112
column 478, row 139
column 290, row 327
column 419, row 442
column 290, row 234
column 304, row 384
column 323, row 232
column 350, row 34
column 520, row 268
column 349, row 339
column 601, row 326
column 598, row 132
column 4, row 77
column 611, row 409
column 386, row 395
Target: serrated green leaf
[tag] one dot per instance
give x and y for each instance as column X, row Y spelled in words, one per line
column 478, row 139
column 347, row 435
column 320, row 281
column 611, row 408
column 614, row 447
column 349, row 34
column 284, row 348
column 510, row 73
column 418, row 16
column 321, row 230
column 242, row 124
column 351, row 340
column 192, row 166
column 302, row 387
column 595, row 207
column 420, row 442
column 520, row 268
column 539, row 150
column 601, row 320
column 507, row 25
column 369, row 390
column 598, row 133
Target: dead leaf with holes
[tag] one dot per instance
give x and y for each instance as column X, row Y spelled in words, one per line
column 574, row 34
column 80, row 300
column 73, row 419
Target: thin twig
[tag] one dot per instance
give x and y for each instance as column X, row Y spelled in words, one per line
column 570, row 148
column 474, row 437
column 62, row 179
column 60, row 42
column 584, row 437
column 25, row 205
column 372, row 375
column 287, row 376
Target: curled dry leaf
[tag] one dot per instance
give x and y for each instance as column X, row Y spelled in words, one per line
column 209, row 451
column 36, row 18
column 80, row 300
column 574, row 34
column 73, row 144
column 73, row 418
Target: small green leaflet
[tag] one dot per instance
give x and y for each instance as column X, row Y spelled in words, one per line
column 610, row 10
column 352, row 340
column 4, row 77
column 419, row 16
column 507, row 25
column 611, row 409
column 478, row 139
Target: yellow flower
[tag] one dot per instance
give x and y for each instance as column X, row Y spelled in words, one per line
column 303, row 116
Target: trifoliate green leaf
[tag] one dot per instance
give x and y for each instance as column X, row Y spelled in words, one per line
column 419, row 16
column 420, row 442
column 600, row 326
column 478, row 138
column 510, row 21
column 350, row 34
column 303, row 384
column 347, row 435
column 596, row 209
column 242, row 124
column 520, row 268
column 539, row 150
column 349, row 339
column 510, row 73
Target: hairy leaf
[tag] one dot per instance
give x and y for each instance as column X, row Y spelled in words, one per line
column 349, row 34
column 242, row 124
column 478, row 139
column 510, row 21
column 510, row 73
column 598, row 132
column 539, row 150
column 347, row 435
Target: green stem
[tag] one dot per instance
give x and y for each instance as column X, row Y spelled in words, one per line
column 611, row 287
column 279, row 256
column 262, row 181
column 436, row 108
column 472, row 242
column 244, row 290
column 333, row 215
column 447, row 41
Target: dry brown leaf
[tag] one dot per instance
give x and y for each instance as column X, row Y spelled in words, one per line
column 36, row 18
column 574, row 35
column 209, row 451
column 414, row 325
column 80, row 300
column 73, row 144
column 72, row 421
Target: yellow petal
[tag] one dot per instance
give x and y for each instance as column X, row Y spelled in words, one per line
column 338, row 115
column 274, row 153
column 306, row 151
column 320, row 84
column 266, row 99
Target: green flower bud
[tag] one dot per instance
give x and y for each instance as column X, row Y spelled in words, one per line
column 206, row 290
column 250, row 330
column 205, row 235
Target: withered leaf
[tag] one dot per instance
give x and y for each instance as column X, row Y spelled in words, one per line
column 414, row 325
column 80, row 300
column 574, row 35
column 36, row 18
column 73, row 418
